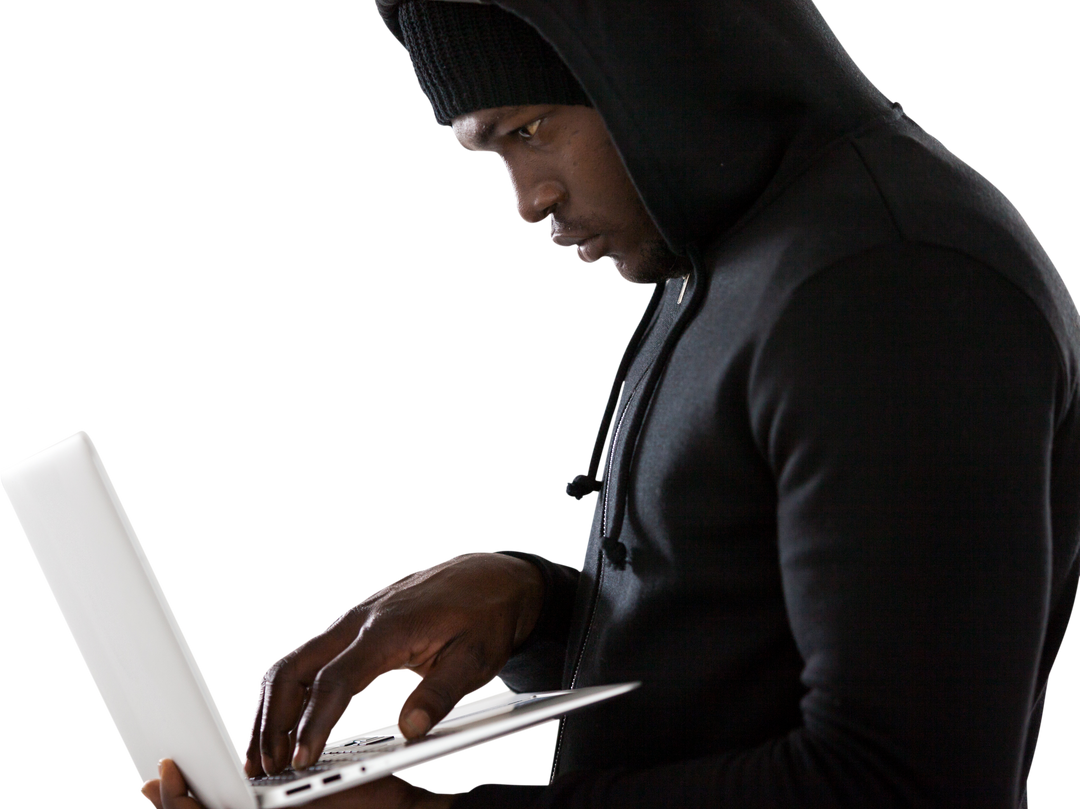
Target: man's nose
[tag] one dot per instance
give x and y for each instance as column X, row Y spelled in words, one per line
column 537, row 200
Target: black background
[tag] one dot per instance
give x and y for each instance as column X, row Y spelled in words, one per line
column 319, row 350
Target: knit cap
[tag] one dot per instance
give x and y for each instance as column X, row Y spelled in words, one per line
column 472, row 57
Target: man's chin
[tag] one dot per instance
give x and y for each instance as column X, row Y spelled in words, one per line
column 621, row 270
column 624, row 277
column 631, row 281
column 633, row 273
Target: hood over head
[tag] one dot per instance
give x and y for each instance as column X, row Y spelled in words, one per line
column 709, row 102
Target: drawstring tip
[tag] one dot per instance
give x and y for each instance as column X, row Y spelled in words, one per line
column 616, row 552
column 579, row 488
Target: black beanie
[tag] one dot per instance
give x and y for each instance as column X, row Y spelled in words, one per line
column 472, row 57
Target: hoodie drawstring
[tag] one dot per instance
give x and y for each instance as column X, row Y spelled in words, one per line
column 586, row 484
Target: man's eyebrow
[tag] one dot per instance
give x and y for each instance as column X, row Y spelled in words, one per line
column 486, row 130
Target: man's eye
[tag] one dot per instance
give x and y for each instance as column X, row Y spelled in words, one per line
column 529, row 129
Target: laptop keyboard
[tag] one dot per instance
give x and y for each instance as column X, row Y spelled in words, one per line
column 354, row 750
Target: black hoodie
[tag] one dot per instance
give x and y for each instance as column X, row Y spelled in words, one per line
column 837, row 536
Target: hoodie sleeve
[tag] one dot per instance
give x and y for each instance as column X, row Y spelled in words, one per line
column 537, row 665
column 908, row 402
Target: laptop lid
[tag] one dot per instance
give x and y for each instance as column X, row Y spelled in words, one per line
column 121, row 621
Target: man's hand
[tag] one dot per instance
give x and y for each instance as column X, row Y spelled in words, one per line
column 170, row 792
column 456, row 625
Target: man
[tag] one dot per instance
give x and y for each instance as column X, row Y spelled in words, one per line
column 837, row 528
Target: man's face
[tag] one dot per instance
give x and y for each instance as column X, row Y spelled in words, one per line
column 562, row 162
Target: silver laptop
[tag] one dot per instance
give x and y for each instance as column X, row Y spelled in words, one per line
column 148, row 678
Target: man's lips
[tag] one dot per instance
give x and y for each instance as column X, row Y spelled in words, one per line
column 590, row 246
column 591, row 251
column 566, row 239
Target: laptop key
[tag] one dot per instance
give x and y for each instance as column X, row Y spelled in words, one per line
column 290, row 775
column 370, row 740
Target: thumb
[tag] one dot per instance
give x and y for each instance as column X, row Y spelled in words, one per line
column 458, row 671
column 174, row 790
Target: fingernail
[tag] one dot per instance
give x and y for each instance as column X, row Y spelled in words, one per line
column 417, row 722
column 300, row 757
column 267, row 764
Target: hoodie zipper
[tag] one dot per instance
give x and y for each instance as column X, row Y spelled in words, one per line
column 601, row 567
column 611, row 460
column 577, row 665
column 606, row 494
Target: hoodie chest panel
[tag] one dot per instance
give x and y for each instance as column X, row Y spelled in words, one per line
column 701, row 505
